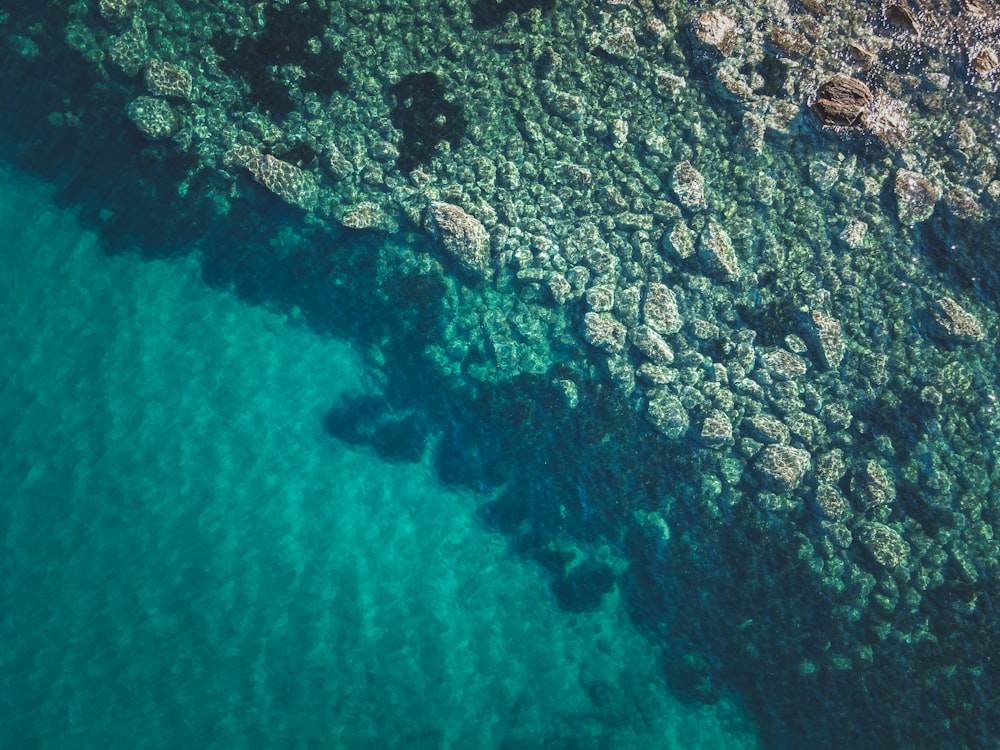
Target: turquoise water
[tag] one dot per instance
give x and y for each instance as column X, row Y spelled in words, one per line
column 191, row 561
column 499, row 373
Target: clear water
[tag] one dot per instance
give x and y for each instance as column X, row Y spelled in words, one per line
column 270, row 481
column 189, row 560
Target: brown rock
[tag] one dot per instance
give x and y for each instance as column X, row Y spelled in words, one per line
column 842, row 101
column 985, row 62
column 714, row 34
column 788, row 43
column 899, row 16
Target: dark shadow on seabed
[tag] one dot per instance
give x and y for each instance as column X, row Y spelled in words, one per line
column 735, row 613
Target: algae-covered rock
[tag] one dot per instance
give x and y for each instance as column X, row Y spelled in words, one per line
column 781, row 468
column 164, row 79
column 829, row 338
column 367, row 215
column 681, row 240
column 154, row 117
column 689, row 186
column 781, row 364
column 715, row 249
column 118, row 10
column 659, row 310
column 716, row 429
column 285, row 180
column 915, row 197
column 885, row 544
column 766, row 429
column 667, row 415
column 956, row 323
column 604, row 332
column 652, row 345
column 875, row 487
column 460, row 236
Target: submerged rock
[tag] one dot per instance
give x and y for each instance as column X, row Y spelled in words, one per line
column 956, row 323
column 154, row 117
column 285, row 180
column 164, row 79
column 659, row 310
column 652, row 345
column 886, row 546
column 667, row 415
column 716, row 429
column 781, row 468
column 715, row 249
column 783, row 365
column 829, row 338
column 875, row 487
column 604, row 332
column 460, row 236
column 689, row 186
column 713, row 34
column 915, row 197
column 766, row 429
column 118, row 10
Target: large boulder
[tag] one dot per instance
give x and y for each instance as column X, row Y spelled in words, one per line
column 956, row 323
column 915, row 197
column 461, row 237
column 713, row 34
column 842, row 101
column 667, row 415
column 781, row 468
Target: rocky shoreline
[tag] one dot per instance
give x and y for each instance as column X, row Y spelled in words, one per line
column 755, row 221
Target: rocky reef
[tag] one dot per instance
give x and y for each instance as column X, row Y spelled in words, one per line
column 767, row 229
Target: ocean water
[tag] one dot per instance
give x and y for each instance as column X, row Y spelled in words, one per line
column 191, row 561
column 680, row 431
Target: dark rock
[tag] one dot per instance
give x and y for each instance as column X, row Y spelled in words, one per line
column 842, row 101
column 400, row 439
column 584, row 587
column 900, row 17
column 427, row 117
